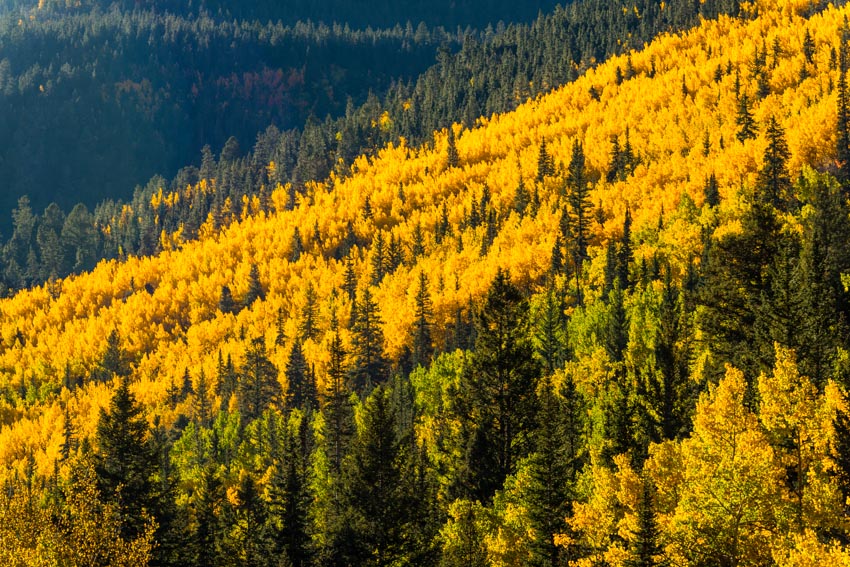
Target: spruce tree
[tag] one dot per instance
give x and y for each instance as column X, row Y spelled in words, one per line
column 744, row 119
column 498, row 391
column 301, row 388
column 258, row 387
column 646, row 549
column 297, row 246
column 370, row 365
column 309, row 323
column 125, row 462
column 114, row 362
column 452, row 157
column 423, row 346
column 226, row 304
column 774, row 179
column 545, row 163
column 255, row 288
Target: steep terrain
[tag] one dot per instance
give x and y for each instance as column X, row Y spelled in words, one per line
column 685, row 143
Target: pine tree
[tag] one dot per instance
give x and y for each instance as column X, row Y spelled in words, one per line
column 337, row 409
column 301, row 388
column 498, row 391
column 452, row 157
column 646, row 550
column 379, row 258
column 712, row 191
column 255, row 288
column 423, row 347
column 370, row 366
column 288, row 502
column 226, row 304
column 545, row 163
column 297, row 246
column 208, row 504
column 258, row 387
column 377, row 489
column 226, row 380
column 580, row 205
column 201, row 406
column 774, row 178
column 550, row 331
column 309, row 324
column 744, row 119
column 555, row 464
column 114, row 362
column 125, row 461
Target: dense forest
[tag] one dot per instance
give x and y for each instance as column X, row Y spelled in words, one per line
column 220, row 108
column 606, row 327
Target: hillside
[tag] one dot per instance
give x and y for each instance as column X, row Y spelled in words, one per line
column 674, row 210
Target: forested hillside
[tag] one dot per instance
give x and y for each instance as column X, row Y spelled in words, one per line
column 206, row 81
column 608, row 327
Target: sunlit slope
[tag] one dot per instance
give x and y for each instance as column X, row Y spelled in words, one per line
column 681, row 123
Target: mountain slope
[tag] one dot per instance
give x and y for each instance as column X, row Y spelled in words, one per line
column 57, row 332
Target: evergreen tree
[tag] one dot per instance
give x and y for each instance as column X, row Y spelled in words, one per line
column 201, row 405
column 114, row 362
column 498, row 391
column 370, row 366
column 125, row 462
column 423, row 346
column 249, row 540
column 226, row 304
column 208, row 504
column 258, row 386
column 377, row 488
column 646, row 549
column 774, row 178
column 712, row 191
column 452, row 157
column 255, row 288
column 549, row 331
column 289, row 499
column 301, row 388
column 297, row 246
column 555, row 464
column 545, row 163
column 309, row 324
column 579, row 200
column 744, row 119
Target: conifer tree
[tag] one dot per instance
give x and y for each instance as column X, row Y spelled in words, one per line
column 226, row 304
column 370, row 366
column 377, row 489
column 288, row 502
column 646, row 549
column 499, row 391
column 774, row 178
column 309, row 323
column 423, row 346
column 744, row 119
column 297, row 246
column 301, row 388
column 258, row 387
column 452, row 157
column 201, row 406
column 580, row 208
column 114, row 362
column 125, row 462
column 255, row 288
column 545, row 163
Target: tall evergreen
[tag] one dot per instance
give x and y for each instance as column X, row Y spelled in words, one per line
column 744, row 119
column 452, row 158
column 125, row 462
column 309, row 316
column 255, row 288
column 646, row 549
column 258, row 387
column 499, row 391
column 378, row 490
column 545, row 162
column 423, row 345
column 370, row 365
column 114, row 362
column 301, row 388
column 774, row 179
